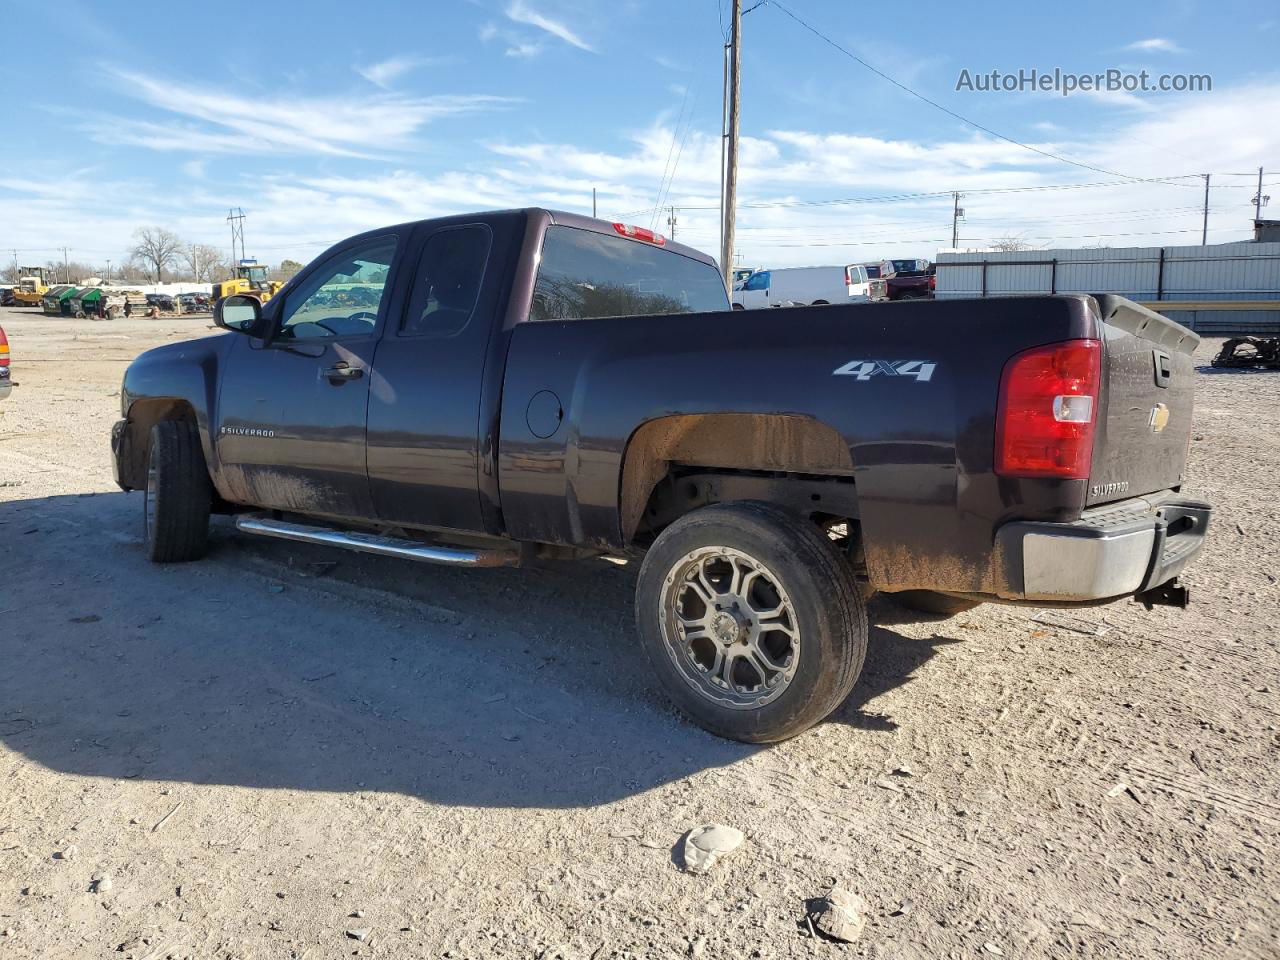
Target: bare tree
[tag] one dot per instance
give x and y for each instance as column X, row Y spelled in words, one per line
column 202, row 260
column 1010, row 244
column 157, row 248
column 286, row 270
column 131, row 272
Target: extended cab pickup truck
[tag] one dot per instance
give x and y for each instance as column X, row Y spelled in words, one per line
column 492, row 389
column 908, row 279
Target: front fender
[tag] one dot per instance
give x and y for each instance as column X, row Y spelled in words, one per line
column 172, row 382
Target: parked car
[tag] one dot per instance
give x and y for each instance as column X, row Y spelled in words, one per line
column 162, row 301
column 530, row 384
column 908, row 279
column 802, row 286
column 7, row 299
column 193, row 302
column 6, row 384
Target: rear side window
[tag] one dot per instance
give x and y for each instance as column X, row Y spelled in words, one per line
column 585, row 274
column 447, row 284
column 757, row 281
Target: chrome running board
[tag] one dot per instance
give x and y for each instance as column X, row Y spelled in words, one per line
column 376, row 543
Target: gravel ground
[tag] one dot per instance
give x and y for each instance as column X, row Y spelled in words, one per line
column 280, row 749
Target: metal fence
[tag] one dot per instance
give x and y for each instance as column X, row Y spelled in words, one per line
column 1224, row 288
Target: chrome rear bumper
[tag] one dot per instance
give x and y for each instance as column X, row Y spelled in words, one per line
column 1112, row 551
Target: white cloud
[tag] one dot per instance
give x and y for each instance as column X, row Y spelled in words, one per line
column 295, row 212
column 523, row 49
column 215, row 120
column 1155, row 45
column 1117, row 98
column 384, row 72
column 521, row 12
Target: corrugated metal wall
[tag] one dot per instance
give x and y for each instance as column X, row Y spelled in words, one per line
column 1229, row 271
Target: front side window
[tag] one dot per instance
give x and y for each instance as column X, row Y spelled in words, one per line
column 585, row 274
column 448, row 282
column 341, row 297
column 757, row 281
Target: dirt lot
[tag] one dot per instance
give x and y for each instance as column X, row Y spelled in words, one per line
column 262, row 752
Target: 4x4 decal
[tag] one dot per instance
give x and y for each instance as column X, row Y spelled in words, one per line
column 921, row 370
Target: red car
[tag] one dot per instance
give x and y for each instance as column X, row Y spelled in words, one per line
column 5, row 385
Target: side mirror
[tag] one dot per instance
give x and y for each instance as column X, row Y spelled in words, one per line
column 239, row 314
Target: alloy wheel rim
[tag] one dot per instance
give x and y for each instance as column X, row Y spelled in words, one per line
column 729, row 627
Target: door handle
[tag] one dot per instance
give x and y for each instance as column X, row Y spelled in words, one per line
column 342, row 371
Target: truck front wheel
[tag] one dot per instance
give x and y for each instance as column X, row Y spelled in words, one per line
column 177, row 499
column 752, row 620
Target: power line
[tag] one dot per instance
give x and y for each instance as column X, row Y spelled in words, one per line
column 905, row 197
column 1085, row 236
column 933, row 103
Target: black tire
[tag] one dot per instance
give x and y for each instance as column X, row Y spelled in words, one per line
column 938, row 604
column 824, row 601
column 177, row 498
column 111, row 313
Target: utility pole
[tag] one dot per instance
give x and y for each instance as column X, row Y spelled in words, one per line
column 235, row 217
column 1259, row 201
column 66, row 266
column 671, row 222
column 731, row 145
column 724, row 133
column 108, row 273
column 956, row 215
column 1204, row 231
column 593, row 201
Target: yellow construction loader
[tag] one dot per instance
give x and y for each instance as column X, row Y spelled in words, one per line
column 31, row 287
column 251, row 279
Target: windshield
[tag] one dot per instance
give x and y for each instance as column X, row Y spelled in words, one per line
column 585, row 274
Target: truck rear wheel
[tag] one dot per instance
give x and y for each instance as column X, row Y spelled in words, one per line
column 178, row 496
column 751, row 620
column 926, row 601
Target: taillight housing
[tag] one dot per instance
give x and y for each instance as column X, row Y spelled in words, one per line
column 4, row 350
column 1047, row 411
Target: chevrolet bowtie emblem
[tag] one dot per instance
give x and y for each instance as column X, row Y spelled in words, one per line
column 1159, row 418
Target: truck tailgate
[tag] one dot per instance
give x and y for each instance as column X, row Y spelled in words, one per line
column 1148, row 384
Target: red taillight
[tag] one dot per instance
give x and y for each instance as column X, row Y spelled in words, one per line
column 640, row 233
column 1048, row 404
column 848, row 277
column 4, row 350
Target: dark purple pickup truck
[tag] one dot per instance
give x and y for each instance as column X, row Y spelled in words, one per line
column 499, row 388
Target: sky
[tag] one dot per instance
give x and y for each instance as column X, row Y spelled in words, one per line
column 323, row 119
